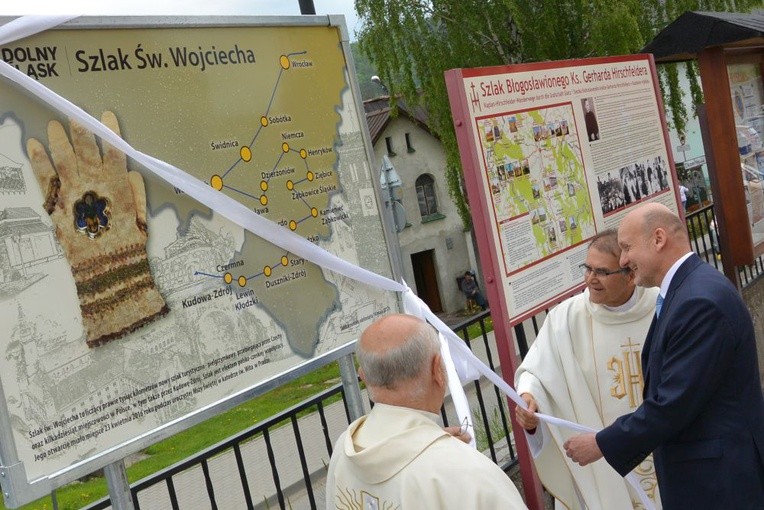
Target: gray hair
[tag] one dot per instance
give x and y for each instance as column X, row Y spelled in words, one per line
column 406, row 361
column 607, row 242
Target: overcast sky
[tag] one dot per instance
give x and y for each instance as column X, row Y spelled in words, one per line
column 179, row 7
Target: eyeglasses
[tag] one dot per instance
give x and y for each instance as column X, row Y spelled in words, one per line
column 587, row 270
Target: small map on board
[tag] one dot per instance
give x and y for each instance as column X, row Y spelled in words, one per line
column 535, row 172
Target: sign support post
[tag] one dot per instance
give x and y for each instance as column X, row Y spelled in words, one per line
column 350, row 384
column 119, row 488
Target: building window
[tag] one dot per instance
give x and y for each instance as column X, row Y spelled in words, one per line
column 425, row 192
column 389, row 143
column 409, row 148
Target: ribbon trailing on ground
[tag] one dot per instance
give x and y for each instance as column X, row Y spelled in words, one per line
column 461, row 363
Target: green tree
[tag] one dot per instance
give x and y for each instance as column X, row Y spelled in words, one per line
column 364, row 70
column 412, row 42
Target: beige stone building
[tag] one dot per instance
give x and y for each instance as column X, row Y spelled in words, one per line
column 435, row 249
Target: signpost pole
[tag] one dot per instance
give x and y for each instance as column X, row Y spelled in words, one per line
column 119, row 488
column 307, row 7
column 352, row 388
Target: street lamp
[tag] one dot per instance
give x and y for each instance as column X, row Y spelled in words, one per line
column 391, row 183
column 378, row 81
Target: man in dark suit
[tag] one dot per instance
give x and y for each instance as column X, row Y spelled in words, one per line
column 703, row 410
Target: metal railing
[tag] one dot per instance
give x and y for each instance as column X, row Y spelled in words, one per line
column 492, row 423
column 236, row 445
column 701, row 226
column 704, row 236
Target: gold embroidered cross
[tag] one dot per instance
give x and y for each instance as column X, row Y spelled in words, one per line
column 628, row 373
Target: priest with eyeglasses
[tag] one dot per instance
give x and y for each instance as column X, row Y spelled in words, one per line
column 584, row 367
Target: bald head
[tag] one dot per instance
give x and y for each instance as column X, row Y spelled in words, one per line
column 654, row 216
column 399, row 356
column 652, row 238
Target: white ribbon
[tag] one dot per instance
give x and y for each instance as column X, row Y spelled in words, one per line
column 29, row 25
column 461, row 363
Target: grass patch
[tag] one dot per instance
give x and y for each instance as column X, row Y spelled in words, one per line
column 495, row 426
column 475, row 331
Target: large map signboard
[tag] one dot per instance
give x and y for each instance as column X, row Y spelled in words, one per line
column 125, row 304
column 553, row 153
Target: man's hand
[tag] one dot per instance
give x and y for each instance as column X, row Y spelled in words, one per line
column 583, row 449
column 527, row 418
column 459, row 433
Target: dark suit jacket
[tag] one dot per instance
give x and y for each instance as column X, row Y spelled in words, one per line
column 703, row 410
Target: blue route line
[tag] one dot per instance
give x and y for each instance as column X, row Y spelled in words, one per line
column 275, row 166
column 268, row 180
column 242, row 192
column 270, row 103
column 207, row 274
column 232, row 167
column 261, row 273
column 272, row 266
column 258, row 129
column 267, row 110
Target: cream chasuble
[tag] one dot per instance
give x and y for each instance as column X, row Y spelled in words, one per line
column 584, row 366
column 396, row 458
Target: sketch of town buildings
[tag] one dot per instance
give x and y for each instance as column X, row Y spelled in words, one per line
column 25, row 242
column 11, row 178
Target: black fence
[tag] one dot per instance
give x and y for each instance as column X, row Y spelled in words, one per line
column 491, row 417
column 704, row 238
column 492, row 423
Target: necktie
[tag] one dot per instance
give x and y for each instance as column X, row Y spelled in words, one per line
column 658, row 305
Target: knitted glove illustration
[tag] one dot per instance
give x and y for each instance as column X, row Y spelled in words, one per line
column 99, row 212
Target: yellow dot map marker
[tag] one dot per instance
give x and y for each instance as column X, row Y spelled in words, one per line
column 293, row 225
column 264, row 185
column 285, row 147
column 303, row 153
column 263, row 200
column 284, row 260
column 228, row 277
column 242, row 281
column 264, row 121
column 314, row 212
column 290, row 185
column 310, row 175
column 284, row 61
column 267, row 271
column 216, row 182
column 246, row 154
